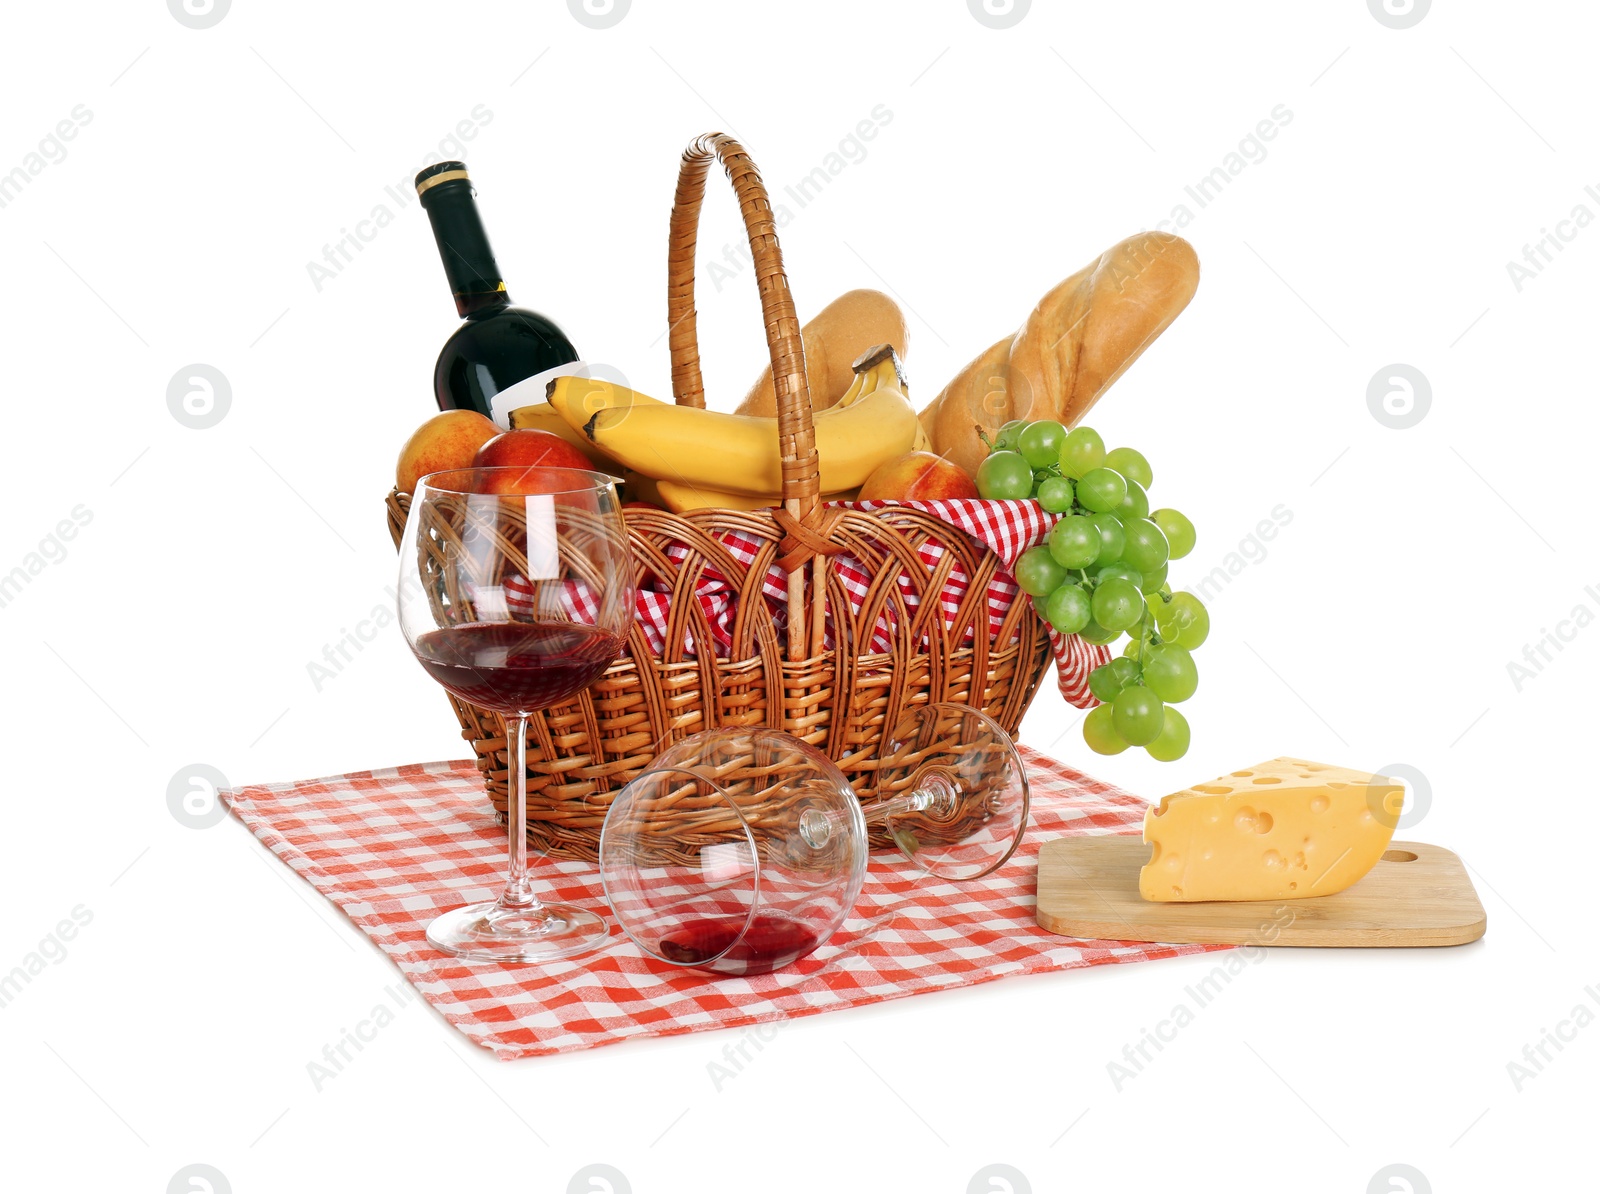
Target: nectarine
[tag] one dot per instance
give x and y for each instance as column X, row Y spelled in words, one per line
column 531, row 479
column 448, row 440
column 917, row 476
column 530, row 447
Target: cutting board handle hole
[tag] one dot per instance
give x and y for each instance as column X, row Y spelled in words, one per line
column 1399, row 856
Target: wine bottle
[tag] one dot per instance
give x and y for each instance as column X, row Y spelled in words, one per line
column 497, row 344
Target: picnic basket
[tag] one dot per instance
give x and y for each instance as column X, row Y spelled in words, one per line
column 817, row 672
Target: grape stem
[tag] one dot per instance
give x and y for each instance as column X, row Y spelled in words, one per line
column 1143, row 623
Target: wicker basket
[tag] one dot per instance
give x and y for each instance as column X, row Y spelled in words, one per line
column 837, row 699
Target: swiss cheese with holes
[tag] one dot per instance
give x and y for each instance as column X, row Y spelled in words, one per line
column 1283, row 830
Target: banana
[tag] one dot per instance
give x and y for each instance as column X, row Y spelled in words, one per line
column 641, row 488
column 576, row 398
column 541, row 416
column 739, row 454
column 681, row 498
column 857, row 388
column 709, row 456
column 876, row 368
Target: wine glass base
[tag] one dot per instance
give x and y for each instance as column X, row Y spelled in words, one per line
column 491, row 932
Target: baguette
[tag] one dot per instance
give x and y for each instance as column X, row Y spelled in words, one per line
column 1074, row 344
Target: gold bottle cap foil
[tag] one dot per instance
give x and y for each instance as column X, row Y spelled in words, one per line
column 452, row 171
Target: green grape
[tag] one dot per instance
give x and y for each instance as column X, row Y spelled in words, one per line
column 1100, row 732
column 1004, row 475
column 1119, row 572
column 1178, row 530
column 1040, row 442
column 1006, row 438
column 1135, row 503
column 1037, row 573
column 1125, row 670
column 1130, row 464
column 1103, row 683
column 1112, row 677
column 1138, row 714
column 1093, row 632
column 1153, row 581
column 1082, row 450
column 1038, row 607
column 1101, row 490
column 1167, row 622
column 1191, row 622
column 1146, row 547
column 1111, row 538
column 1074, row 541
column 1055, row 495
column 1169, row 672
column 1173, row 741
column 1067, row 609
column 1117, row 604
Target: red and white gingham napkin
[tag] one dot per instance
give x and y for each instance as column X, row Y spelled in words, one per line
column 394, row 848
column 1007, row 528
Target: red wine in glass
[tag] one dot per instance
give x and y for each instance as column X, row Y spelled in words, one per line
column 769, row 943
column 513, row 545
column 517, row 666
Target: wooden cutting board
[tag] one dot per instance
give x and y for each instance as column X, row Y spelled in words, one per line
column 1417, row 894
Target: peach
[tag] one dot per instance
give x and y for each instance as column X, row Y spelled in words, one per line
column 917, row 476
column 448, row 440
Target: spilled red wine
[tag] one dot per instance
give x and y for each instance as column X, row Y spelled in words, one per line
column 770, row 943
column 517, row 667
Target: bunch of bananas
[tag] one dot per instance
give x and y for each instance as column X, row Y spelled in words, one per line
column 685, row 458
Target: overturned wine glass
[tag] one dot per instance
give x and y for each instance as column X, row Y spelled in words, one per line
column 741, row 850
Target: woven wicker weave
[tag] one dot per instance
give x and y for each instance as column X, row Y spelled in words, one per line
column 835, row 699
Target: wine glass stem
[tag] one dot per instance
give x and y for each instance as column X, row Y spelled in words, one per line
column 519, row 891
column 911, row 802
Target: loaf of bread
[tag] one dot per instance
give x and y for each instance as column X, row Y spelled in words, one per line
column 854, row 322
column 1074, row 344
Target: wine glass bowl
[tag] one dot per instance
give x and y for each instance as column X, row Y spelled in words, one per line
column 951, row 791
column 739, row 851
column 516, row 594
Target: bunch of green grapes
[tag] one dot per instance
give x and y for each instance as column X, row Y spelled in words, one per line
column 1103, row 574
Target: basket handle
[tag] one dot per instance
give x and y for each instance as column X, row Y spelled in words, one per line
column 797, row 442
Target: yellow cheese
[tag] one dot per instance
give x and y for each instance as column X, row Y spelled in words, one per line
column 1282, row 830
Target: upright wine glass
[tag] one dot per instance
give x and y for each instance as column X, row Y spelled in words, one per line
column 516, row 593
column 743, row 849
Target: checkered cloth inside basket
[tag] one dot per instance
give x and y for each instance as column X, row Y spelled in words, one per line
column 394, row 848
column 1007, row 528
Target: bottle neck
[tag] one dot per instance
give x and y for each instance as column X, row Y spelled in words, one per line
column 469, row 262
column 472, row 303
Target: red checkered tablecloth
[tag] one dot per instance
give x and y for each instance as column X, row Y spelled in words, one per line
column 393, row 848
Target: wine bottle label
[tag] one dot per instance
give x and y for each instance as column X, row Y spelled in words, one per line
column 530, row 391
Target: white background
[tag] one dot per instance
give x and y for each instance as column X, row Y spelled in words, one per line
column 1376, row 628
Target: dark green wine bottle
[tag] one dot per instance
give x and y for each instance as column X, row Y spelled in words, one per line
column 497, row 344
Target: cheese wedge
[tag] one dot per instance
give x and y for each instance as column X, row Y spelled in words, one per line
column 1283, row 830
